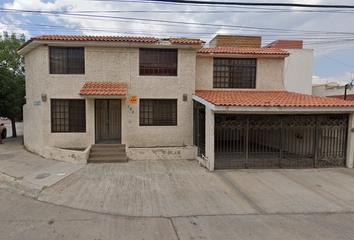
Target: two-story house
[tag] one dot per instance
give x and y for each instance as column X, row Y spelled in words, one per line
column 172, row 98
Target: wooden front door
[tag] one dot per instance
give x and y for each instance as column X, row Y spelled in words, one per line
column 108, row 121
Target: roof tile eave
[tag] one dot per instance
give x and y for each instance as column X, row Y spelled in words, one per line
column 104, row 89
column 268, row 99
column 186, row 41
column 238, row 50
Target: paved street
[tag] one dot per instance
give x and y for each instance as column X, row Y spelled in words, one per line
column 26, row 218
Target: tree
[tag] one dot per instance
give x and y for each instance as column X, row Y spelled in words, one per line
column 12, row 78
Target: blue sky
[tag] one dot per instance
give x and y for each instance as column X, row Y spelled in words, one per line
column 327, row 31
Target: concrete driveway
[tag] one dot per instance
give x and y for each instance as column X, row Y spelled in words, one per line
column 183, row 188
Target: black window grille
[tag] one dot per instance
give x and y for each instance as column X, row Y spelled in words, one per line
column 158, row 62
column 234, row 73
column 68, row 115
column 158, row 112
column 67, row 60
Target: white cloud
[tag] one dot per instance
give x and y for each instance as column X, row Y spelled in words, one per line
column 342, row 80
column 296, row 20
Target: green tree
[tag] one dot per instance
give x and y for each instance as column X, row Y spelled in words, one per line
column 12, row 78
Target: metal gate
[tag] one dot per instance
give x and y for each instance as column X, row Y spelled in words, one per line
column 280, row 141
column 199, row 127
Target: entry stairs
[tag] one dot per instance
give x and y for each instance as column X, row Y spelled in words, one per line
column 107, row 153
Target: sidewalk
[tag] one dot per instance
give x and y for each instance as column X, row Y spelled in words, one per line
column 27, row 173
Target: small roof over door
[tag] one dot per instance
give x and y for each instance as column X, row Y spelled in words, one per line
column 104, row 90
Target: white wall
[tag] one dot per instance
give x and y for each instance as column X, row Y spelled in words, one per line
column 298, row 71
column 324, row 91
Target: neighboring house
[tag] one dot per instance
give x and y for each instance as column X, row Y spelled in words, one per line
column 298, row 69
column 171, row 98
column 332, row 90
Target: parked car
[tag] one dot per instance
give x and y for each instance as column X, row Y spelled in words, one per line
column 3, row 131
column 3, row 119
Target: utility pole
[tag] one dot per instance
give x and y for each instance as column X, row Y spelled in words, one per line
column 346, row 87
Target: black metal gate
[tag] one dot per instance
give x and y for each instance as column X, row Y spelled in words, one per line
column 280, row 141
column 199, row 127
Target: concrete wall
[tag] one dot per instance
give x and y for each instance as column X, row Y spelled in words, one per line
column 269, row 75
column 108, row 64
column 328, row 90
column 298, row 71
column 209, row 139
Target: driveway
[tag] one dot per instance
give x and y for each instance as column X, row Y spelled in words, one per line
column 183, row 188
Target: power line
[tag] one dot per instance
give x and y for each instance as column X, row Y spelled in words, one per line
column 247, row 10
column 334, row 60
column 255, row 4
column 168, row 22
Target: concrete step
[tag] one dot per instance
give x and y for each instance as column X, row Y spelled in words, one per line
column 107, row 159
column 108, row 146
column 107, row 150
column 108, row 153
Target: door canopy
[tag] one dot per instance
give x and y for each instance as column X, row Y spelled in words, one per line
column 104, row 90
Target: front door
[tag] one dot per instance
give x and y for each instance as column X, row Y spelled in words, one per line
column 108, row 121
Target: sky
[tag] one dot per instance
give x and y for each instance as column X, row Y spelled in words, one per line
column 328, row 31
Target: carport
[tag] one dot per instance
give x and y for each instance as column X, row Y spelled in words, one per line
column 272, row 129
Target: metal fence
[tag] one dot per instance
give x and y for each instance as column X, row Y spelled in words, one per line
column 280, row 141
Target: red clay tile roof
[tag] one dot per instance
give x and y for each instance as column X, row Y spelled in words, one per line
column 104, row 88
column 184, row 40
column 268, row 99
column 234, row 50
column 111, row 39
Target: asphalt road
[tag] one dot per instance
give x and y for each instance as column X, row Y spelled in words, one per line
column 25, row 218
column 19, row 128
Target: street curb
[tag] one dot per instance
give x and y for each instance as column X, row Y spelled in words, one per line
column 17, row 186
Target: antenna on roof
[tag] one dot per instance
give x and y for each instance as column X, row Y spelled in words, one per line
column 346, row 87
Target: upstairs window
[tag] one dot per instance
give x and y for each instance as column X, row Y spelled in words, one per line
column 68, row 115
column 234, row 73
column 158, row 62
column 158, row 112
column 67, row 60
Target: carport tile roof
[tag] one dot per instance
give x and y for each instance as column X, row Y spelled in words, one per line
column 104, row 88
column 238, row 50
column 268, row 99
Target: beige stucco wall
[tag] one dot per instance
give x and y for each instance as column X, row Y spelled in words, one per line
column 112, row 65
column 269, row 75
column 32, row 115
